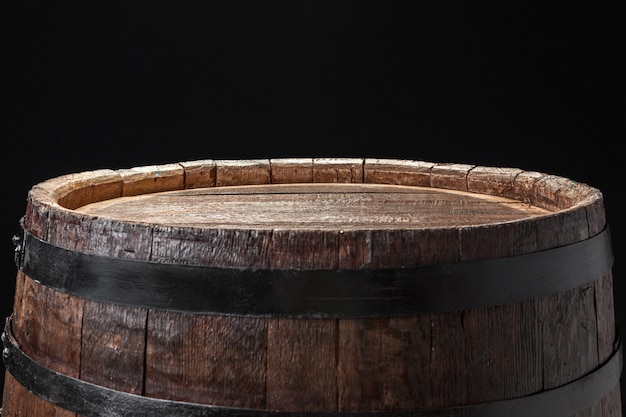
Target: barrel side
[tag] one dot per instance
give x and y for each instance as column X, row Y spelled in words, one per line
column 425, row 360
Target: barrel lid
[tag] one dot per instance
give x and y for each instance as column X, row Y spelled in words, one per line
column 313, row 212
column 314, row 206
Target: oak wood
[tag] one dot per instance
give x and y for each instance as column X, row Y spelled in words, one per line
column 384, row 364
column 17, row 401
column 312, row 213
column 315, row 206
column 341, row 170
column 207, row 359
column 291, row 170
column 149, row 179
column 200, row 174
column 113, row 346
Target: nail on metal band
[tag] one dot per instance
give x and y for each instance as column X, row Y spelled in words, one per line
column 316, row 293
column 91, row 400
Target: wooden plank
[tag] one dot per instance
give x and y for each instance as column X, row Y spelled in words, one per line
column 206, row 359
column 200, row 174
column 338, row 170
column 384, row 364
column 397, row 171
column 400, row 363
column 578, row 210
column 448, row 376
column 557, row 193
column 492, row 180
column 212, row 247
column 354, row 250
column 37, row 210
column 291, row 170
column 523, row 185
column 19, row 291
column 562, row 228
column 74, row 190
column 596, row 215
column 88, row 187
column 17, row 401
column 113, row 346
column 569, row 334
column 610, row 403
column 69, row 230
column 152, row 179
column 46, row 324
column 301, row 353
column 503, row 352
column 450, row 176
column 203, row 358
column 48, row 327
column 119, row 239
column 499, row 240
column 301, row 249
column 410, row 248
column 301, row 365
column 243, row 172
column 605, row 307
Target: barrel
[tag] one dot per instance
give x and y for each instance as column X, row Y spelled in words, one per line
column 313, row 287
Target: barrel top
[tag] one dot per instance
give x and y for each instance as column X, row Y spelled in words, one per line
column 314, row 206
column 313, row 212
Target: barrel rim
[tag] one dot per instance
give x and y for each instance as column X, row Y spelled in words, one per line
column 56, row 199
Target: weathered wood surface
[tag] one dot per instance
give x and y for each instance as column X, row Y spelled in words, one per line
column 315, row 206
column 312, row 213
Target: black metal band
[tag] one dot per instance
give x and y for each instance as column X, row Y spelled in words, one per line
column 90, row 400
column 316, row 293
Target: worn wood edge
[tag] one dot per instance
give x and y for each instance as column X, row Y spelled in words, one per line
column 243, row 172
column 587, row 204
column 291, row 170
column 338, row 170
column 398, row 172
column 151, row 179
column 57, row 198
column 200, row 173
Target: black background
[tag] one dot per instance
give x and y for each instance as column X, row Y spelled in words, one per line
column 117, row 85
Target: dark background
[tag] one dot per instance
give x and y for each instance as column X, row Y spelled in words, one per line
column 119, row 85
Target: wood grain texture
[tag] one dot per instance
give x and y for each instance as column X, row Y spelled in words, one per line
column 207, row 359
column 237, row 172
column 47, row 325
column 399, row 172
column 450, row 176
column 301, row 365
column 291, row 170
column 384, row 364
column 315, row 206
column 150, row 179
column 448, row 377
column 503, row 351
column 316, row 213
column 17, row 401
column 337, row 170
column 493, row 180
column 200, row 174
column 113, row 346
column 570, row 335
column 302, row 353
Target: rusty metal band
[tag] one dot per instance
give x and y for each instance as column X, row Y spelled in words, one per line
column 90, row 400
column 316, row 293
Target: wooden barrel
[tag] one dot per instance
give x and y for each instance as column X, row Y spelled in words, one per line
column 313, row 287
